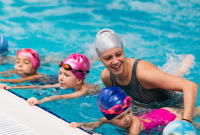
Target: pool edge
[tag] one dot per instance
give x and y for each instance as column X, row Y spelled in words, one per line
column 35, row 118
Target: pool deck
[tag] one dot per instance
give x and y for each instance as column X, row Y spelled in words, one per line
column 34, row 118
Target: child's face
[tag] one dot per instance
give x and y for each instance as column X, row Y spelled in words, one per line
column 124, row 119
column 23, row 66
column 66, row 79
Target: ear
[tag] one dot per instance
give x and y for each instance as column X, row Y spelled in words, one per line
column 79, row 81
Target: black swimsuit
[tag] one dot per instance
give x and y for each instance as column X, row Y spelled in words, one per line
column 139, row 94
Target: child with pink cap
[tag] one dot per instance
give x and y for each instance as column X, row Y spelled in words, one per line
column 72, row 73
column 26, row 66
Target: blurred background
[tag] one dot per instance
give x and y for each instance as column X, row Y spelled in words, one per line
column 159, row 31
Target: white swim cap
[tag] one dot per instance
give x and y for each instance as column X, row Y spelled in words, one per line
column 106, row 39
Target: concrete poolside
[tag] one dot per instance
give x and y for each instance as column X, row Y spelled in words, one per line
column 34, row 120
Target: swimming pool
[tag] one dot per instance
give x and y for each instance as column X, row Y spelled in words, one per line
column 157, row 31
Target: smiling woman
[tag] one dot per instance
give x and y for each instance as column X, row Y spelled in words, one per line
column 141, row 80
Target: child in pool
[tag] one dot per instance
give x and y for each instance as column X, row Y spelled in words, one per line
column 115, row 105
column 73, row 71
column 26, row 66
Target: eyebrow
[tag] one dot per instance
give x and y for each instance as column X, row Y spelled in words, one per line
column 119, row 51
column 27, row 60
column 111, row 55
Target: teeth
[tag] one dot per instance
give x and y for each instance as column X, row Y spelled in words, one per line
column 116, row 67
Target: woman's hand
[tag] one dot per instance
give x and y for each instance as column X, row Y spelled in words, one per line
column 4, row 86
column 33, row 101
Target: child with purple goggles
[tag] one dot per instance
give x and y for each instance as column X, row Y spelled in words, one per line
column 115, row 105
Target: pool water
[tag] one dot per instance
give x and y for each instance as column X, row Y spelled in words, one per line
column 156, row 31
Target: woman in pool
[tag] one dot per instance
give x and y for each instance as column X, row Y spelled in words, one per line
column 73, row 71
column 26, row 66
column 141, row 80
column 115, row 105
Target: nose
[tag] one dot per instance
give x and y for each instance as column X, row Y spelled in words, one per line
column 20, row 64
column 60, row 77
column 126, row 118
column 115, row 60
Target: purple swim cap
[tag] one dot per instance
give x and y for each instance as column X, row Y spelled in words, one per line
column 78, row 62
column 109, row 97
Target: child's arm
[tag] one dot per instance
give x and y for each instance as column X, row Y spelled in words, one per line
column 35, row 86
column 136, row 126
column 90, row 125
column 28, row 78
column 33, row 101
column 12, row 71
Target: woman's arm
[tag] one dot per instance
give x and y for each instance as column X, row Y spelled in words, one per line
column 28, row 78
column 105, row 77
column 90, row 125
column 33, row 101
column 151, row 77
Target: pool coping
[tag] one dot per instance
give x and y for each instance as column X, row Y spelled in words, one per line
column 34, row 117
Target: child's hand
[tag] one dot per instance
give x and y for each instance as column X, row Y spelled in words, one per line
column 4, row 86
column 8, row 75
column 33, row 101
column 74, row 124
column 91, row 125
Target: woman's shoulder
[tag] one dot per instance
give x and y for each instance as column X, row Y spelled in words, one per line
column 130, row 61
column 141, row 64
column 105, row 77
column 105, row 73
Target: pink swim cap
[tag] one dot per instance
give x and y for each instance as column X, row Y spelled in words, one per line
column 78, row 62
column 32, row 55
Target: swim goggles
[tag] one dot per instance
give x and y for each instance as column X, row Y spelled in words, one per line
column 68, row 67
column 117, row 109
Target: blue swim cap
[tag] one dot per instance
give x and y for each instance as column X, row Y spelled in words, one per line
column 109, row 97
column 179, row 128
column 3, row 46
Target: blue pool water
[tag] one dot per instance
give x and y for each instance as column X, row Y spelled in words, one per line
column 156, row 31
